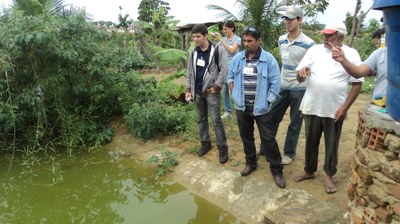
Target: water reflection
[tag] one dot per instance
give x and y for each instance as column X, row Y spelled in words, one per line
column 98, row 189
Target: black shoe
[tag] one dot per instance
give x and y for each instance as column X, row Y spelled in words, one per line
column 205, row 147
column 279, row 181
column 223, row 154
column 247, row 170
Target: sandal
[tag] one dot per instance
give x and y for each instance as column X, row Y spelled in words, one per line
column 330, row 188
column 304, row 177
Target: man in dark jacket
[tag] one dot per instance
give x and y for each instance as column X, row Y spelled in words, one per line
column 206, row 74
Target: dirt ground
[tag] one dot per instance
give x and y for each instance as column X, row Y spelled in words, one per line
column 315, row 186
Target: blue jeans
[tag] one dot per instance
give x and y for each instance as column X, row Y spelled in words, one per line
column 210, row 103
column 227, row 100
column 293, row 99
column 246, row 130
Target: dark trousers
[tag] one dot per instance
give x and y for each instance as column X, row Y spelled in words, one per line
column 315, row 126
column 292, row 99
column 265, row 128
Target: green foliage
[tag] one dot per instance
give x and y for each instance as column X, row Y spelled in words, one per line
column 192, row 149
column 156, row 33
column 151, row 118
column 363, row 41
column 165, row 161
column 368, row 85
column 148, row 8
column 263, row 14
column 169, row 56
column 38, row 7
column 60, row 81
column 123, row 21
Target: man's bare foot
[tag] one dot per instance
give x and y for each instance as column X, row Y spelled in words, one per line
column 304, row 176
column 330, row 187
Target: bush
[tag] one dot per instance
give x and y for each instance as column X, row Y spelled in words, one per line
column 151, row 118
column 60, row 81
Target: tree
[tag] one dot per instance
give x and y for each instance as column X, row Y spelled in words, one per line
column 354, row 22
column 124, row 21
column 147, row 8
column 264, row 14
column 38, row 7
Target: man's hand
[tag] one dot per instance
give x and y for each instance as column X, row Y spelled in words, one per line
column 231, row 86
column 213, row 89
column 188, row 96
column 303, row 73
column 337, row 53
column 340, row 114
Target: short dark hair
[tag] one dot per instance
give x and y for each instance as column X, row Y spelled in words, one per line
column 200, row 28
column 252, row 31
column 230, row 24
column 378, row 33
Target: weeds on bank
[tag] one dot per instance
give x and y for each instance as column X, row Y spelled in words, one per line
column 164, row 160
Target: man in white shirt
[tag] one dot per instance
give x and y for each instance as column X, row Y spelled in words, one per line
column 325, row 102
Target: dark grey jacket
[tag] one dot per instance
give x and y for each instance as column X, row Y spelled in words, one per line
column 214, row 74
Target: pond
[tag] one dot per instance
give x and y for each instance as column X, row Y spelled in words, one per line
column 98, row 187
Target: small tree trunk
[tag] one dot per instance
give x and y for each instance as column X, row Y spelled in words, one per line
column 354, row 27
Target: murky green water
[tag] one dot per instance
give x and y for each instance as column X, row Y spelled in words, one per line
column 99, row 188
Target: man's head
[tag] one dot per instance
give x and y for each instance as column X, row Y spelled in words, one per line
column 293, row 18
column 251, row 38
column 199, row 34
column 376, row 37
column 334, row 32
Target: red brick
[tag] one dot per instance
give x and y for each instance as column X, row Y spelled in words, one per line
column 370, row 216
column 377, row 139
column 383, row 215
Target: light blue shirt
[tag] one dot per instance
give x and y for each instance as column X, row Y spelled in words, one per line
column 377, row 62
column 234, row 40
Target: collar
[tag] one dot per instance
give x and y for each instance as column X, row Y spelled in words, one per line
column 256, row 55
column 198, row 49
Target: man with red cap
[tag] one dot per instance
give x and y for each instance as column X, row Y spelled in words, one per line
column 326, row 100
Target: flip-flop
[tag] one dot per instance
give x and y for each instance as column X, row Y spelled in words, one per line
column 303, row 177
column 330, row 188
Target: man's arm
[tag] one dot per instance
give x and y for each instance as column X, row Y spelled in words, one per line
column 353, row 70
column 223, row 70
column 342, row 111
column 275, row 81
column 190, row 71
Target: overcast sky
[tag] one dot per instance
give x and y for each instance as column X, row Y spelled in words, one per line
column 195, row 11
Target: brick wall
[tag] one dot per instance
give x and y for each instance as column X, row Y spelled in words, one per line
column 374, row 189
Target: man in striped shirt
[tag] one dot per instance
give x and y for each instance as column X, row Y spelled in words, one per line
column 292, row 47
column 254, row 80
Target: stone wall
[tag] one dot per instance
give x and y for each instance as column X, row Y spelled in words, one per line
column 374, row 190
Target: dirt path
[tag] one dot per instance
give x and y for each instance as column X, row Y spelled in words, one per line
column 315, row 187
